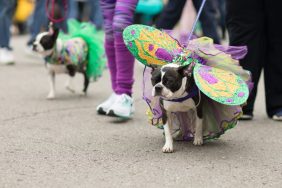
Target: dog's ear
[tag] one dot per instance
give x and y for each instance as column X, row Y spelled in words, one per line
column 154, row 67
column 184, row 71
column 53, row 31
column 55, row 34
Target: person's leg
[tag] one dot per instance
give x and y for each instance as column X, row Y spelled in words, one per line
column 273, row 63
column 208, row 19
column 7, row 8
column 222, row 11
column 123, row 17
column 108, row 9
column 73, row 10
column 39, row 20
column 245, row 24
column 186, row 21
column 171, row 14
column 96, row 14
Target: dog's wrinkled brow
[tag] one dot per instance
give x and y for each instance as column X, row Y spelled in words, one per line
column 156, row 76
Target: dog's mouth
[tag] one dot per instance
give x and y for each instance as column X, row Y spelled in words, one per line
column 162, row 92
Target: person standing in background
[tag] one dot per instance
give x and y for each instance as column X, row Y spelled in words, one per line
column 173, row 10
column 255, row 23
column 118, row 14
column 7, row 9
column 94, row 14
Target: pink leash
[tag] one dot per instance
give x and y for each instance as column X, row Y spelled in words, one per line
column 51, row 13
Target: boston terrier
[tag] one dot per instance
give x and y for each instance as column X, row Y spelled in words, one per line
column 57, row 55
column 173, row 83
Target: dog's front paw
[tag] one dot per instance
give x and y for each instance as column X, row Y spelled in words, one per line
column 82, row 93
column 168, row 148
column 50, row 96
column 70, row 89
column 198, row 141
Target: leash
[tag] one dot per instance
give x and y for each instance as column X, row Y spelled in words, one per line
column 51, row 13
column 190, row 36
column 196, row 20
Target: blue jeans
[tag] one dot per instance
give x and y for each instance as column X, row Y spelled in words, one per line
column 96, row 16
column 7, row 8
column 39, row 20
column 73, row 9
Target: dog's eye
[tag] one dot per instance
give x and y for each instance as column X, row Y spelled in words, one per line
column 168, row 81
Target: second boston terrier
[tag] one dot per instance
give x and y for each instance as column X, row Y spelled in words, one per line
column 68, row 57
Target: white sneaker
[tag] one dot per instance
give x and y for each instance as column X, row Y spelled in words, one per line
column 105, row 106
column 6, row 56
column 122, row 107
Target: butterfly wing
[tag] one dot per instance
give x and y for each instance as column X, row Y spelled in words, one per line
column 150, row 46
column 220, row 85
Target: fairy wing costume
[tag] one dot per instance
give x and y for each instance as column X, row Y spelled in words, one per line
column 216, row 71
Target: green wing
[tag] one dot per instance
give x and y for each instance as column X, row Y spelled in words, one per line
column 222, row 86
column 150, row 46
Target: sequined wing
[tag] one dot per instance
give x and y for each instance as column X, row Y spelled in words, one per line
column 151, row 46
column 220, row 85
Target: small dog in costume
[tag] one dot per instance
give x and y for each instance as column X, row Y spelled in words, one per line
column 78, row 51
column 194, row 92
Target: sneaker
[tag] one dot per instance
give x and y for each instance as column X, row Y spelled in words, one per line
column 6, row 56
column 246, row 117
column 105, row 106
column 277, row 116
column 122, row 107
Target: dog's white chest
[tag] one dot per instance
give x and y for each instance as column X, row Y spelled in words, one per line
column 58, row 69
column 179, row 106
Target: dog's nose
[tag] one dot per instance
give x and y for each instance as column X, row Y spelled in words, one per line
column 158, row 88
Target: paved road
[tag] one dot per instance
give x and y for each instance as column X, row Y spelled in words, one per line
column 63, row 143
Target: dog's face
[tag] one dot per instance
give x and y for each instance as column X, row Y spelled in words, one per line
column 45, row 42
column 169, row 81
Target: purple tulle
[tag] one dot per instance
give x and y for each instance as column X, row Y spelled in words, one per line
column 237, row 52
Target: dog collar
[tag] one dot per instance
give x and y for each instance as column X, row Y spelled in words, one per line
column 193, row 93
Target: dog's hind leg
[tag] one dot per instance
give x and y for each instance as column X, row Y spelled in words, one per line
column 86, row 83
column 71, row 71
column 51, row 94
column 168, row 147
column 69, row 85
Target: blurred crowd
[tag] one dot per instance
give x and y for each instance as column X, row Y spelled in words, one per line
column 30, row 17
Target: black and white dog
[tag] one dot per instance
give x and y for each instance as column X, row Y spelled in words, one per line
column 173, row 83
column 50, row 47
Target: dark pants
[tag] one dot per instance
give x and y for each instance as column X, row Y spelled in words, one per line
column 257, row 24
column 172, row 13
